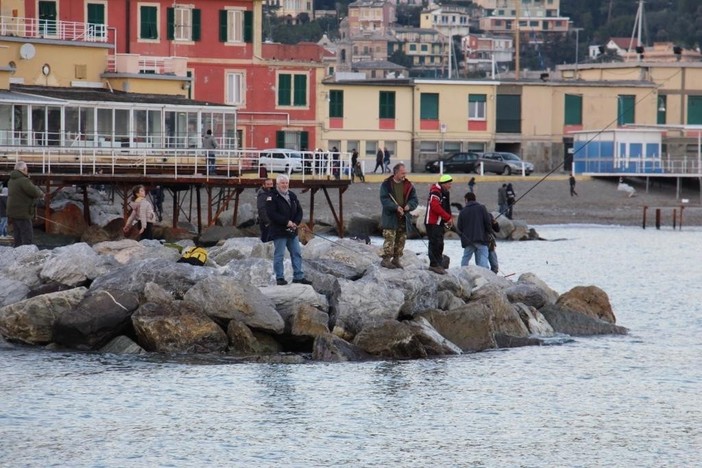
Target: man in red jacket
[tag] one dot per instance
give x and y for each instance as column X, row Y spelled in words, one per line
column 438, row 215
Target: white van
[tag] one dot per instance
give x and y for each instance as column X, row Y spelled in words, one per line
column 281, row 160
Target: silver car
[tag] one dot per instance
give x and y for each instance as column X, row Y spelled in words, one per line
column 281, row 160
column 501, row 162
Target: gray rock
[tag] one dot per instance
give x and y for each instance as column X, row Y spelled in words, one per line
column 390, row 339
column 32, row 321
column 101, row 316
column 535, row 322
column 224, row 299
column 331, row 348
column 508, row 341
column 233, row 249
column 417, row 286
column 505, row 316
column 177, row 327
column 253, row 270
column 175, row 278
column 470, row 327
column 526, row 293
column 155, row 293
column 434, row 343
column 73, row 264
column 12, row 291
column 25, row 264
column 575, row 323
column 531, row 278
column 287, row 299
column 363, row 302
column 128, row 251
column 122, row 345
column 447, row 301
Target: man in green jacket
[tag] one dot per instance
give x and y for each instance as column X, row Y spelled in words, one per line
column 398, row 197
column 21, row 200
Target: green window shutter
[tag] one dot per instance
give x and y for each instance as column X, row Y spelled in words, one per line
column 304, row 140
column 96, row 13
column 626, row 109
column 300, row 90
column 477, row 98
column 336, row 103
column 573, row 109
column 280, row 139
column 248, row 26
column 170, row 24
column 148, row 29
column 284, row 89
column 387, row 105
column 694, row 110
column 508, row 113
column 429, row 106
column 196, row 24
column 222, row 25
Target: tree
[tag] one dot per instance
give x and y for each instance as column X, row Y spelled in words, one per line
column 400, row 58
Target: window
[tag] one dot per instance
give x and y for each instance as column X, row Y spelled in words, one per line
column 148, row 22
column 235, row 88
column 476, row 106
column 183, row 24
column 95, row 12
column 661, row 111
column 429, row 106
column 47, row 18
column 694, row 110
column 336, row 103
column 292, row 90
column 573, row 109
column 371, row 148
column 387, row 105
column 235, row 26
column 413, row 47
column 626, row 109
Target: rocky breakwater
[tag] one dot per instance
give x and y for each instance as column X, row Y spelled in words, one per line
column 132, row 297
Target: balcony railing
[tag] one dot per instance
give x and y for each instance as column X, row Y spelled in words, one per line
column 49, row 29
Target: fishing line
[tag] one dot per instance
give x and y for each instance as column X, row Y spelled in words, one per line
column 59, row 224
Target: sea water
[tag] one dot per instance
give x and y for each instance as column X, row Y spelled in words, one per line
column 633, row 400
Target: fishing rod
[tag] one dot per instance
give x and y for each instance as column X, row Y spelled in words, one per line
column 595, row 136
column 59, row 224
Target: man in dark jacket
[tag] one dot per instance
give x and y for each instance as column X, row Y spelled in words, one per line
column 474, row 223
column 21, row 199
column 379, row 161
column 263, row 195
column 438, row 216
column 285, row 213
column 398, row 197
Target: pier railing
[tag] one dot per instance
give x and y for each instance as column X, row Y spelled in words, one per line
column 178, row 163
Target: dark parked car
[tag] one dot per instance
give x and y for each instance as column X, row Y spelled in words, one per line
column 457, row 162
column 501, row 162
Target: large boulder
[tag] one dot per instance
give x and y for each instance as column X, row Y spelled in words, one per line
column 531, row 278
column 32, row 321
column 174, row 278
column 506, row 318
column 390, row 339
column 101, row 316
column 244, row 342
column 128, row 251
column 177, row 327
column 574, row 323
column 253, row 270
column 12, row 291
column 226, row 299
column 588, row 300
column 74, row 264
column 470, row 327
column 418, row 287
column 24, row 263
column 363, row 302
column 331, row 348
column 527, row 293
column 233, row 249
